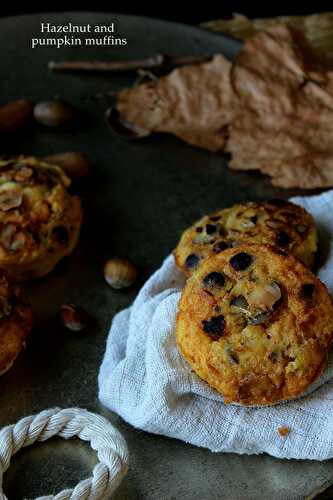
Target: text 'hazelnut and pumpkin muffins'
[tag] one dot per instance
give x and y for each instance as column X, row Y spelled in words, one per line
column 39, row 220
column 276, row 222
column 15, row 322
column 256, row 324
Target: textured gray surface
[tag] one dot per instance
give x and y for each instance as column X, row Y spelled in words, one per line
column 139, row 198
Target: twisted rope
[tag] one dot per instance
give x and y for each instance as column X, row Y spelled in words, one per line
column 109, row 444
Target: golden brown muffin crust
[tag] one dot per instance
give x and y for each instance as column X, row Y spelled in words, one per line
column 276, row 222
column 39, row 220
column 255, row 324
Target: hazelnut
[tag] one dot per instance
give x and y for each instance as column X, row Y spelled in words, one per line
column 260, row 318
column 241, row 303
column 202, row 239
column 14, row 115
column 74, row 317
column 7, row 234
column 23, row 174
column 54, row 113
column 75, row 165
column 119, row 273
column 18, row 242
column 265, row 295
column 40, row 212
column 10, row 197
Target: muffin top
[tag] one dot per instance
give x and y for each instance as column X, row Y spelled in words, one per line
column 33, row 205
column 276, row 222
column 256, row 324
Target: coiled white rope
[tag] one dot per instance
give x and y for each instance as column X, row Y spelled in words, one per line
column 109, row 444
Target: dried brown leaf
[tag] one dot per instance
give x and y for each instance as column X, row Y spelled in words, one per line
column 316, row 30
column 192, row 102
column 306, row 172
column 267, row 109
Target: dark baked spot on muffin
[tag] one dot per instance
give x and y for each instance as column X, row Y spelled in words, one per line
column 192, row 261
column 282, row 239
column 273, row 356
column 214, row 279
column 240, row 261
column 280, row 252
column 214, row 218
column 211, row 228
column 214, row 327
column 220, row 246
column 254, row 219
column 60, row 234
column 307, row 290
column 208, row 293
column 199, row 229
column 232, row 356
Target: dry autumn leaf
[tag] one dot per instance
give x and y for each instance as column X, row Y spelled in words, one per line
column 192, row 102
column 316, row 29
column 269, row 109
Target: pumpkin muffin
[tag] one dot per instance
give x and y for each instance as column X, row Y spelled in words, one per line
column 15, row 322
column 39, row 220
column 255, row 324
column 276, row 222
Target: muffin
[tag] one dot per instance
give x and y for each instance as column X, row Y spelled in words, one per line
column 15, row 322
column 39, row 220
column 276, row 222
column 255, row 324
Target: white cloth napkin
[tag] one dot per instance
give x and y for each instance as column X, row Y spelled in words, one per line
column 145, row 380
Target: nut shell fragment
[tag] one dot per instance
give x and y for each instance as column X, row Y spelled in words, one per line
column 73, row 317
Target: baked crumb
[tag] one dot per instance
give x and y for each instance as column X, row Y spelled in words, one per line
column 283, row 431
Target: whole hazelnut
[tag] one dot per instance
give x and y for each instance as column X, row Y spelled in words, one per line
column 75, row 165
column 14, row 115
column 119, row 273
column 54, row 113
column 73, row 317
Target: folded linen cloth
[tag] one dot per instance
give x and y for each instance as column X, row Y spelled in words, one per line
column 146, row 381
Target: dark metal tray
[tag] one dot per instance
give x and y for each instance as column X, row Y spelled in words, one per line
column 137, row 201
